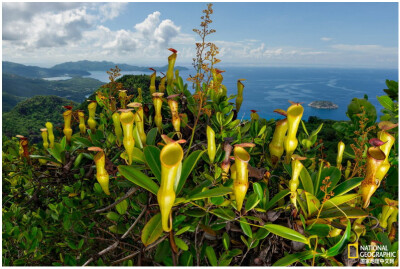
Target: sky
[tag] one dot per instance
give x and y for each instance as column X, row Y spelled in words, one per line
column 363, row 34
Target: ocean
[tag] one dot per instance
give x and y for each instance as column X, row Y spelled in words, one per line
column 269, row 88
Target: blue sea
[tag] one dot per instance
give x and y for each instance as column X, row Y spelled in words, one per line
column 269, row 88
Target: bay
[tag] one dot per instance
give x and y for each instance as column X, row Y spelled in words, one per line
column 269, row 88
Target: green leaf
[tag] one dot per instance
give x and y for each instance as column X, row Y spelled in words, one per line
column 83, row 142
column 152, row 230
column 186, row 259
column 234, row 252
column 258, row 189
column 225, row 214
column 244, row 241
column 57, row 152
column 81, row 242
column 180, row 243
column 386, row 102
column 188, row 164
column 138, row 155
column 262, row 130
column 345, row 211
column 113, row 216
column 217, row 200
column 152, row 156
column 287, row 233
column 261, row 234
column 220, row 191
column 322, row 230
column 313, row 203
column 226, row 241
column 136, row 136
column 306, row 181
column 338, row 247
column 196, row 212
column 252, row 202
column 246, row 227
column 162, row 252
column 276, row 198
column 292, row 258
column 181, row 231
column 122, row 207
column 347, row 186
column 71, row 244
column 151, row 137
column 97, row 188
column 138, row 178
column 338, row 200
column 304, row 128
column 316, row 131
column 212, row 258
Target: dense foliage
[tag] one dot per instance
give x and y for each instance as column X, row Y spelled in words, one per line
column 184, row 182
column 27, row 117
column 9, row 101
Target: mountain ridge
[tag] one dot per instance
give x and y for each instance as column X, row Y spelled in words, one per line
column 31, row 71
column 86, row 65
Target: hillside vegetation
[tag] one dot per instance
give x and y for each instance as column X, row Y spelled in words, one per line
column 9, row 101
column 27, row 116
column 74, row 89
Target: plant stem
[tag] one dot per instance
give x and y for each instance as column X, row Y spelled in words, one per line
column 194, row 126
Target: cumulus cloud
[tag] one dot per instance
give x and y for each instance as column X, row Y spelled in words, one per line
column 159, row 34
column 147, row 27
column 31, row 25
column 111, row 41
column 53, row 32
column 111, row 10
column 77, row 28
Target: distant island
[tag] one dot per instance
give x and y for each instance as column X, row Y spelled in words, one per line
column 29, row 71
column 323, row 105
column 70, row 80
column 86, row 65
column 74, row 69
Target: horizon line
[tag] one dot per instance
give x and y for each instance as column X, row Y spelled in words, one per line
column 228, row 64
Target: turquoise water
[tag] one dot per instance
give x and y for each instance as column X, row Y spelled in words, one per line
column 269, row 88
column 57, row 78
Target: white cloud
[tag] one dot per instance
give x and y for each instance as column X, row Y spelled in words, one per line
column 54, row 31
column 365, row 48
column 159, row 34
column 165, row 32
column 326, row 38
column 29, row 26
column 258, row 52
column 111, row 41
column 111, row 10
column 273, row 52
column 148, row 26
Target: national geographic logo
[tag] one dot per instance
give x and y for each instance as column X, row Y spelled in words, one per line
column 351, row 251
column 375, row 254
